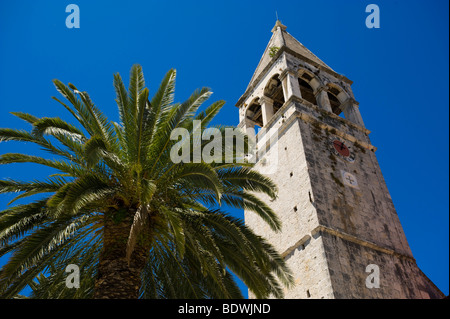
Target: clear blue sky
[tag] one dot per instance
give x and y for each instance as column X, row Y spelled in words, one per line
column 400, row 74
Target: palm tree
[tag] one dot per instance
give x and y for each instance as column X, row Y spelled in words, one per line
column 137, row 224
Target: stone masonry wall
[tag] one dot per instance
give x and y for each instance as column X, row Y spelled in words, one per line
column 332, row 231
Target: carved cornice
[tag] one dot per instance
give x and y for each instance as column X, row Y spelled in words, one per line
column 265, row 100
column 285, row 72
column 347, row 237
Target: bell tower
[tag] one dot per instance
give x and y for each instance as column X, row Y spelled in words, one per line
column 341, row 235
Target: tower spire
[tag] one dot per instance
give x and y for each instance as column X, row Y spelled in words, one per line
column 278, row 24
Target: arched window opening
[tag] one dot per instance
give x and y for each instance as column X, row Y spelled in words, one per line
column 335, row 104
column 306, row 90
column 254, row 113
column 274, row 91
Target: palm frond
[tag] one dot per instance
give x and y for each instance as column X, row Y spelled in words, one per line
column 51, row 126
column 62, row 166
column 140, row 221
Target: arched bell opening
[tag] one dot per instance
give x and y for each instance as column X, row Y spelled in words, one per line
column 274, row 91
column 254, row 113
column 335, row 97
column 307, row 91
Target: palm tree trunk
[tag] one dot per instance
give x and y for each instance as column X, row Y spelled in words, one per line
column 117, row 278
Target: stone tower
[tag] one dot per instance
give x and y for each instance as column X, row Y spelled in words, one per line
column 341, row 235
